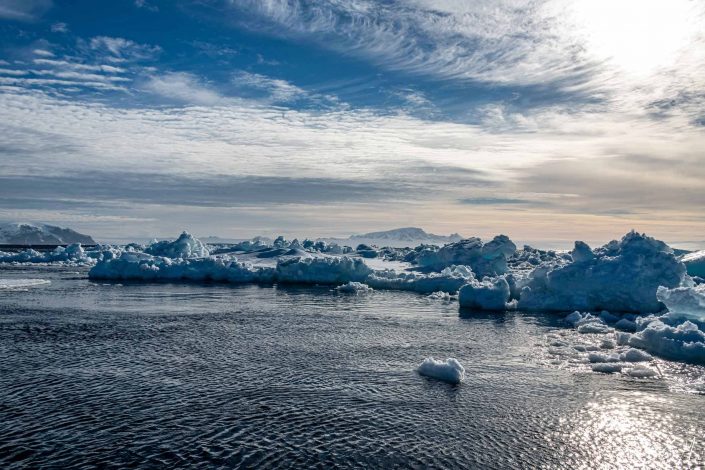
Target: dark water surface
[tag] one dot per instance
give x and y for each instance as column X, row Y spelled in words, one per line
column 160, row 376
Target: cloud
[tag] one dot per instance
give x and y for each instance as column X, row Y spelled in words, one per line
column 24, row 10
column 120, row 49
column 59, row 28
column 182, row 87
column 145, row 5
column 490, row 201
column 277, row 90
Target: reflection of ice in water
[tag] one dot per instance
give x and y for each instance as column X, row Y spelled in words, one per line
column 632, row 430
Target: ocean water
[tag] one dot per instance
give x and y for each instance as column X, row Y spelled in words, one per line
column 99, row 375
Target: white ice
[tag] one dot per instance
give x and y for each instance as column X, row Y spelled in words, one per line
column 450, row 370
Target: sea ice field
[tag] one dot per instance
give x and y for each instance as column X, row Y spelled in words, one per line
column 286, row 353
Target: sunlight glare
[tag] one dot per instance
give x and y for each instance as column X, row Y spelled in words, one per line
column 638, row 36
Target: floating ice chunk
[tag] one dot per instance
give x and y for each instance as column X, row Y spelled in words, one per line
column 594, row 328
column 574, row 318
column 485, row 259
column 695, row 263
column 144, row 267
column 641, row 372
column 440, row 295
column 324, row 270
column 73, row 254
column 354, row 288
column 680, row 341
column 21, row 283
column 186, row 246
column 450, row 370
column 449, row 280
column 485, row 295
column 608, row 343
column 635, row 355
column 626, row 325
column 596, row 357
column 607, row 367
column 687, row 302
column 621, row 276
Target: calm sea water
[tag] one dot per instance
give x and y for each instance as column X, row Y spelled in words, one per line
column 96, row 375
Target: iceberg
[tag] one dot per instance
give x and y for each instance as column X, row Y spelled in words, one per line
column 695, row 263
column 686, row 302
column 450, row 370
column 622, row 276
column 144, row 267
column 485, row 259
column 449, row 280
column 680, row 341
column 489, row 294
column 324, row 270
column 186, row 246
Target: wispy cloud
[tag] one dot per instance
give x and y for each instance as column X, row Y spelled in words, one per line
column 122, row 50
column 277, row 90
column 59, row 28
column 182, row 87
column 24, row 10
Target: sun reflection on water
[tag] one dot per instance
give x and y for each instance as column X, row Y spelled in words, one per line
column 631, row 430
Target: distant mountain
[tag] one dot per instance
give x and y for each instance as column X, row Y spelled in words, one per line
column 40, row 234
column 406, row 235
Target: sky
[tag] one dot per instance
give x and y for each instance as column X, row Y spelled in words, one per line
column 548, row 121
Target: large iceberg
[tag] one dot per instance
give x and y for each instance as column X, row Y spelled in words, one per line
column 485, row 259
column 450, row 370
column 620, row 276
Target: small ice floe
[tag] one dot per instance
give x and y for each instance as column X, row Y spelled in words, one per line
column 594, row 327
column 354, row 288
column 607, row 367
column 635, row 355
column 21, row 283
column 440, row 295
column 641, row 372
column 450, row 370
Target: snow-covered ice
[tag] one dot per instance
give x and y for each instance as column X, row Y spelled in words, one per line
column 485, row 295
column 620, row 276
column 687, row 302
column 450, row 370
column 695, row 263
column 485, row 259
column 186, row 246
column 354, row 288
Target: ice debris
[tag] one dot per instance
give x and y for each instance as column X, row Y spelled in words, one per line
column 450, row 370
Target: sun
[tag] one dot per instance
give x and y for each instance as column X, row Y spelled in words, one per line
column 638, row 36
